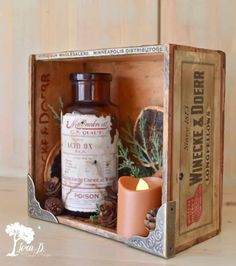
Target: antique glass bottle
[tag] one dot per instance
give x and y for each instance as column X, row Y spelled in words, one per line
column 89, row 143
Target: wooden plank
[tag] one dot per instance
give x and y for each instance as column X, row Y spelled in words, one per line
column 67, row 246
column 29, row 27
column 31, row 124
column 88, row 24
column 86, row 225
column 197, row 146
column 191, row 23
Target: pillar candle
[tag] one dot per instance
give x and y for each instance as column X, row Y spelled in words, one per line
column 133, row 204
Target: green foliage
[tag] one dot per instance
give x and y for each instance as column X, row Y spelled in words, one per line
column 136, row 158
column 126, row 162
column 57, row 114
column 156, row 151
column 93, row 218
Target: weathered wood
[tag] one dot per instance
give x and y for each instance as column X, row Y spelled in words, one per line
column 86, row 225
column 132, row 76
column 164, row 77
column 43, row 26
column 65, row 246
column 197, row 145
column 214, row 30
column 31, row 132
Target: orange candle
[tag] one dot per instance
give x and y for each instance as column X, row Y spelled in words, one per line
column 136, row 197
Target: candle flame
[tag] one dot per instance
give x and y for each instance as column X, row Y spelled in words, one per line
column 142, row 185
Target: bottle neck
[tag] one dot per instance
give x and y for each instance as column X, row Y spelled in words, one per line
column 91, row 91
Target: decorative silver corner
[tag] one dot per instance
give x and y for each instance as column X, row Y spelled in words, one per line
column 34, row 208
column 161, row 241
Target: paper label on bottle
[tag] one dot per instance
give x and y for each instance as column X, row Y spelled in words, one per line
column 89, row 160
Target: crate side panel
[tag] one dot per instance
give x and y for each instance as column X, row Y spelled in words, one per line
column 51, row 82
column 197, row 144
column 31, row 115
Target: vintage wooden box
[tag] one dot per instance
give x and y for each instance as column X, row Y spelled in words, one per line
column 189, row 84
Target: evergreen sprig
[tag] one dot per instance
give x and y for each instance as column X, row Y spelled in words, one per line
column 57, row 114
column 156, row 151
column 126, row 161
column 136, row 157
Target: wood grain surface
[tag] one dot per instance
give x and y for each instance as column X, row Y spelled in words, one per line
column 28, row 27
column 68, row 246
column 209, row 24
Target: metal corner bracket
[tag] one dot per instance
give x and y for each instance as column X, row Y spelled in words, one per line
column 34, row 208
column 161, row 241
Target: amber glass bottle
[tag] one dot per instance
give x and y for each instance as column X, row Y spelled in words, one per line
column 89, row 143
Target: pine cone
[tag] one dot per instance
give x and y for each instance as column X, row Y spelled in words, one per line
column 108, row 214
column 111, row 192
column 56, row 165
column 150, row 220
column 54, row 205
column 53, row 187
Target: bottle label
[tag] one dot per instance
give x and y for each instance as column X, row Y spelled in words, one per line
column 89, row 160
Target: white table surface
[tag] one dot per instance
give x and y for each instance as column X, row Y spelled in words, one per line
column 67, row 246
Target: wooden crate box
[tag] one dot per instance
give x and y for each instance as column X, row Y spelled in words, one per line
column 188, row 83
